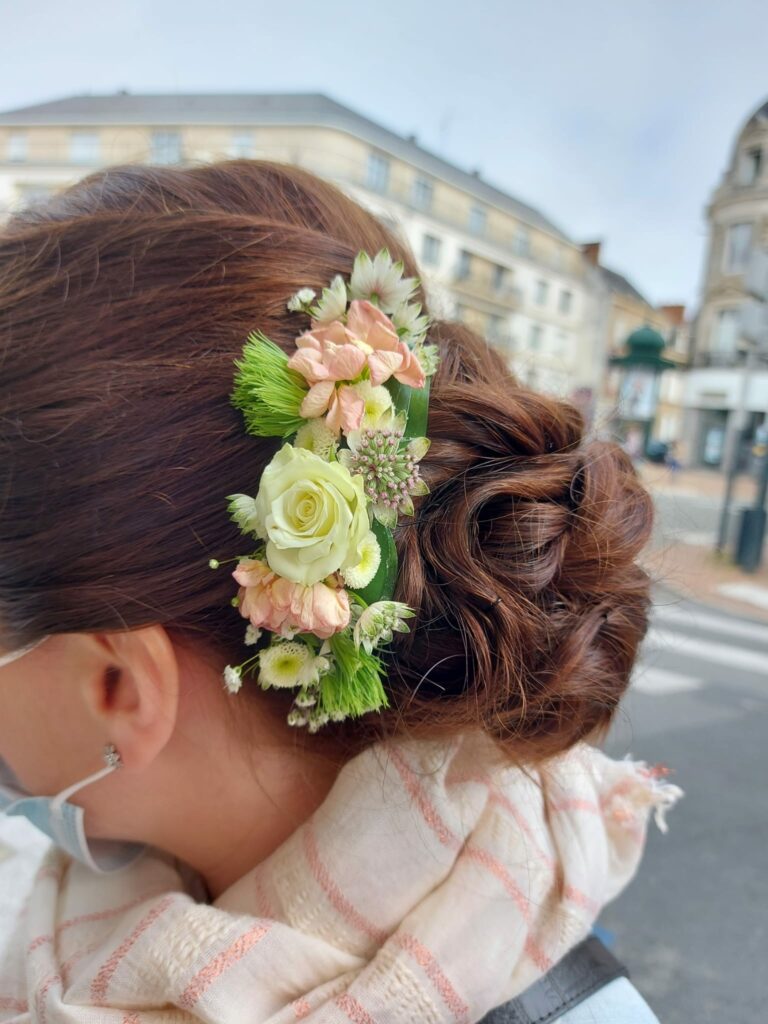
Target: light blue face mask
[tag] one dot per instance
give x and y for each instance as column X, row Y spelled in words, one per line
column 60, row 820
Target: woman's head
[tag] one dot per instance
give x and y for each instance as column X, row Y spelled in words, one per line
column 125, row 302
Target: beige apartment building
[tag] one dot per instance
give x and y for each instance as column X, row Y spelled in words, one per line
column 487, row 258
column 719, row 384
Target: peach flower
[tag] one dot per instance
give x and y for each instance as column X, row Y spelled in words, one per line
column 337, row 353
column 271, row 602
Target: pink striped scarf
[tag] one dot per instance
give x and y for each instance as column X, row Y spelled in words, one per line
column 427, row 887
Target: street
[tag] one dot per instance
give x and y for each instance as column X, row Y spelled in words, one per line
column 692, row 926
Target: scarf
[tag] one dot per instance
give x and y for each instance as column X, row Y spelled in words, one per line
column 430, row 885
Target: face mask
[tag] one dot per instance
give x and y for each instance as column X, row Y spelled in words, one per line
column 60, row 820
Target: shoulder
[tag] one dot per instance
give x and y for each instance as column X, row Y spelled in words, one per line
column 618, row 1002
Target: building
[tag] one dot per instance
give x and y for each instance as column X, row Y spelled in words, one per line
column 621, row 310
column 488, row 258
column 721, row 380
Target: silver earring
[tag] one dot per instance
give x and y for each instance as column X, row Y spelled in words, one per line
column 112, row 756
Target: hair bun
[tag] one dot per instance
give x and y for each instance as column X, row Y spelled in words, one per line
column 521, row 562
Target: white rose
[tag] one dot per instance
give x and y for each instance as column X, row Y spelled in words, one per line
column 313, row 515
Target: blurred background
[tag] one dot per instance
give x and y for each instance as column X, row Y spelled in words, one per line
column 587, row 186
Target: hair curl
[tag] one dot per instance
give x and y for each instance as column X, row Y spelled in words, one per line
column 123, row 303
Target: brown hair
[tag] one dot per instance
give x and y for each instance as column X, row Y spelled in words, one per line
column 124, row 301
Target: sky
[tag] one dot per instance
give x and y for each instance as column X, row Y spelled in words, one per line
column 615, row 119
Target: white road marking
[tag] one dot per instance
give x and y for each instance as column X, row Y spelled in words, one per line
column 749, row 592
column 706, row 650
column 660, row 681
column 708, row 622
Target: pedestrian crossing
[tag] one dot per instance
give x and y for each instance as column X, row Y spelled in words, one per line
column 688, row 647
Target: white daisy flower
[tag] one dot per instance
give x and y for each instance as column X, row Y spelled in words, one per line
column 296, row 717
column 299, row 302
column 311, row 672
column 333, row 302
column 232, row 679
column 381, row 281
column 360, row 575
column 281, row 664
column 316, row 437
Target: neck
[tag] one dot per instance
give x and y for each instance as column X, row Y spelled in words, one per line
column 223, row 800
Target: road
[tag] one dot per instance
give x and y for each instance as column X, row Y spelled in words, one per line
column 693, row 925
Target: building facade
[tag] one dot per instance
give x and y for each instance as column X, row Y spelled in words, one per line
column 620, row 311
column 727, row 390
column 487, row 259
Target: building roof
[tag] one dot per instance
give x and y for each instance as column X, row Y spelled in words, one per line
column 169, row 109
column 618, row 283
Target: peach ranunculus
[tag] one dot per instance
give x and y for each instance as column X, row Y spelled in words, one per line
column 271, row 602
column 337, row 354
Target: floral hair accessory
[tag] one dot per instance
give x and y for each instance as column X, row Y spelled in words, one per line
column 351, row 405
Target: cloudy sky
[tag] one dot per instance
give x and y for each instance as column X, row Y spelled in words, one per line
column 615, row 119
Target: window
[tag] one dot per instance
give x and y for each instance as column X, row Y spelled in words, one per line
column 499, row 278
column 464, row 266
column 521, row 241
column 84, row 147
column 422, row 193
column 430, row 250
column 542, row 291
column 166, row 147
column 566, row 301
column 17, row 146
column 477, row 220
column 535, row 337
column 738, row 243
column 495, row 328
column 750, row 164
column 378, row 172
column 241, row 145
column 725, row 332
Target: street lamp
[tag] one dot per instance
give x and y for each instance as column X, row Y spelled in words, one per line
column 643, row 365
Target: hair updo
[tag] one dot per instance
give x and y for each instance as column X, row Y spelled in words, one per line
column 124, row 301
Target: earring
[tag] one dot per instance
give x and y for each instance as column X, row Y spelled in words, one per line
column 112, row 756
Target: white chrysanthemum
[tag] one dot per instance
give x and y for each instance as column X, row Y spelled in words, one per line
column 377, row 623
column 232, row 679
column 378, row 410
column 316, row 437
column 381, row 281
column 242, row 509
column 252, row 635
column 281, row 664
column 333, row 302
column 360, row 575
column 298, row 302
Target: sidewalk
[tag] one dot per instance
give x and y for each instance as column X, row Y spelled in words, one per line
column 689, row 565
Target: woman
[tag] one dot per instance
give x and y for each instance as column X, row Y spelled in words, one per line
column 427, row 860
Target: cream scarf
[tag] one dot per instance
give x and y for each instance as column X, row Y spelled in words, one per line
column 427, row 887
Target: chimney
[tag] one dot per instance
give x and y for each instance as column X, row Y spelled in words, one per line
column 675, row 314
column 591, row 251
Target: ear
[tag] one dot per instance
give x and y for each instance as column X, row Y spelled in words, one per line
column 133, row 690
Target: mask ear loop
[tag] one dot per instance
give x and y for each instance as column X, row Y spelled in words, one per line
column 6, row 659
column 114, row 761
